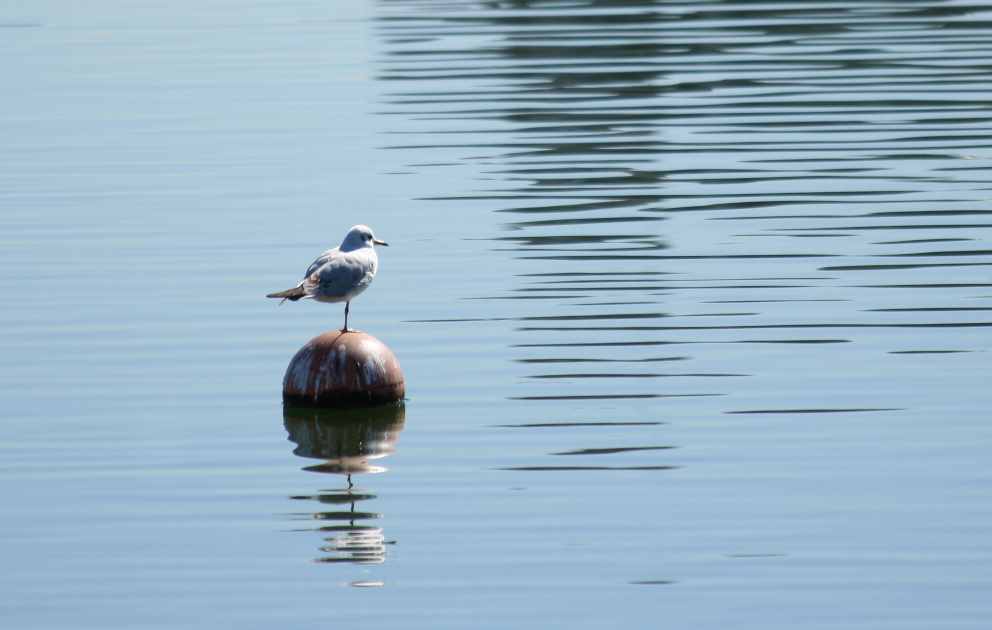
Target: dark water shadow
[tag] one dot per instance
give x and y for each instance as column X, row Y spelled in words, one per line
column 348, row 442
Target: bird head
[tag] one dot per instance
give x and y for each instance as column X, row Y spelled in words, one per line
column 358, row 237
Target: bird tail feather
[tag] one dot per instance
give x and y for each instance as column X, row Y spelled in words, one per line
column 293, row 294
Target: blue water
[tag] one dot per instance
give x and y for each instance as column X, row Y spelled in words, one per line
column 693, row 302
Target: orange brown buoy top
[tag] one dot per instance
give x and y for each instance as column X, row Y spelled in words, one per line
column 338, row 369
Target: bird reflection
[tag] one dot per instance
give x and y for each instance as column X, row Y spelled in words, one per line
column 348, row 440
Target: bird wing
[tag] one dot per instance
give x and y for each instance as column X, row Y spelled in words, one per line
column 339, row 275
column 320, row 261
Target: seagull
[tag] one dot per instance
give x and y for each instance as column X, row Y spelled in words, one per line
column 339, row 274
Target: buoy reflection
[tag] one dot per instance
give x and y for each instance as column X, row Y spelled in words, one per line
column 347, row 440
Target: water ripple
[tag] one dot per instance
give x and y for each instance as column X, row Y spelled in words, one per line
column 622, row 146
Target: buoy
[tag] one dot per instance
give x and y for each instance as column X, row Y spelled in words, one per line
column 342, row 369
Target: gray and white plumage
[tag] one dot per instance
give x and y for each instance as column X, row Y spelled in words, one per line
column 339, row 274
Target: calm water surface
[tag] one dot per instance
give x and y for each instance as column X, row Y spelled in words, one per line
column 693, row 301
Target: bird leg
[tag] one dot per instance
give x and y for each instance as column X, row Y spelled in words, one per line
column 346, row 306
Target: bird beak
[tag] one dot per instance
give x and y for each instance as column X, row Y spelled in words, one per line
column 378, row 242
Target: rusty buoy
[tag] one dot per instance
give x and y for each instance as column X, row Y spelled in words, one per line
column 341, row 369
